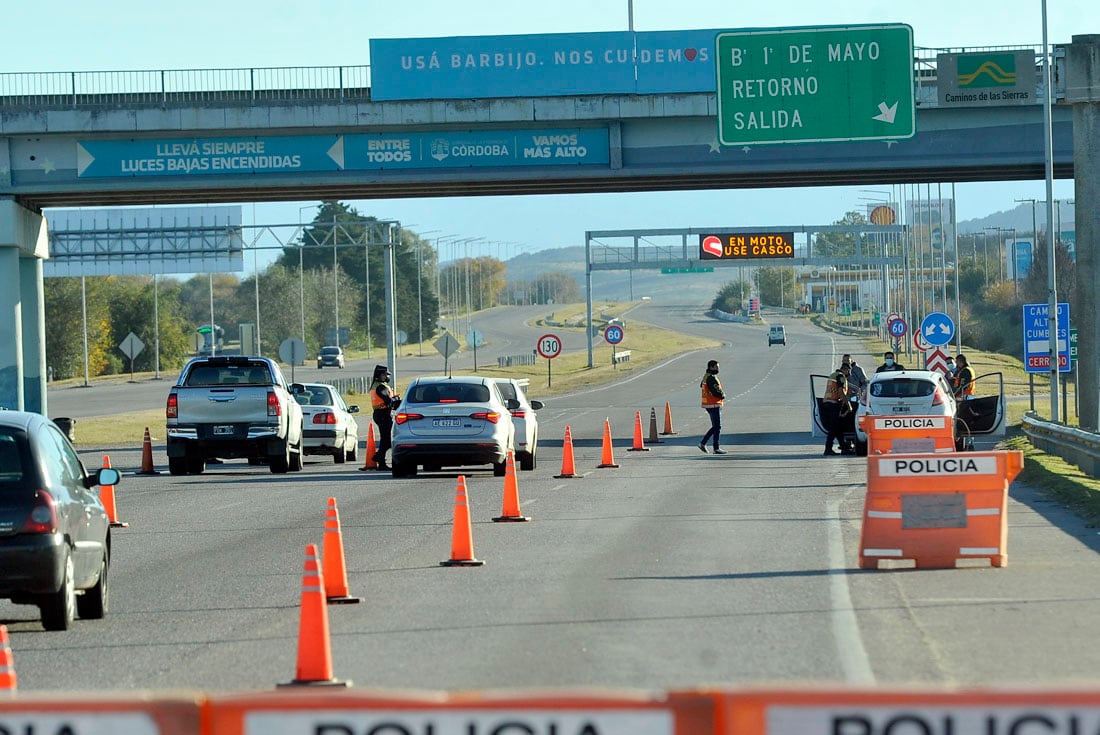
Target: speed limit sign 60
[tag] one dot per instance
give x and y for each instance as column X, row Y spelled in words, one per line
column 549, row 346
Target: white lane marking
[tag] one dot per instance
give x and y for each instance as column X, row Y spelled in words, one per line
column 849, row 645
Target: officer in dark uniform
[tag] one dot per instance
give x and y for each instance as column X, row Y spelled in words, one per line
column 382, row 401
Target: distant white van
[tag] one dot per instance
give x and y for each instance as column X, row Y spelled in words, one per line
column 777, row 335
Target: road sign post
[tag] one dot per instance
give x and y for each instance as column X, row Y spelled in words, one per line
column 811, row 85
column 613, row 334
column 549, row 346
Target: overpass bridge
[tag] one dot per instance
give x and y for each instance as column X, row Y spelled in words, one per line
column 160, row 137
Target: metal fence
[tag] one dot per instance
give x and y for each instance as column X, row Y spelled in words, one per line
column 178, row 87
column 184, row 86
column 1081, row 448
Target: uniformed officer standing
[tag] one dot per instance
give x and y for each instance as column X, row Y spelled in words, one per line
column 382, row 401
column 836, row 395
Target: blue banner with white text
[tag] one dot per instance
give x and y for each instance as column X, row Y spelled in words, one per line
column 552, row 64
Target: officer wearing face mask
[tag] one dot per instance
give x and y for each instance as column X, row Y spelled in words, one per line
column 712, row 399
column 888, row 363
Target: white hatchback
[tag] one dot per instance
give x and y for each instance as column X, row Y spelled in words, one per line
column 328, row 426
column 903, row 393
column 524, row 419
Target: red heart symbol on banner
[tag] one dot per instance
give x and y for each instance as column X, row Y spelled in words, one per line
column 690, row 54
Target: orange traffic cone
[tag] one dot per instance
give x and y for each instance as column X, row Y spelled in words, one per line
column 639, row 445
column 7, row 663
column 332, row 555
column 668, row 420
column 462, row 534
column 147, row 456
column 314, row 654
column 568, row 469
column 107, row 497
column 369, row 463
column 510, row 510
column 653, row 427
column 608, row 458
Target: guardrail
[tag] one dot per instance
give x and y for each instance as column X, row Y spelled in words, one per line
column 527, row 358
column 620, row 356
column 1081, row 448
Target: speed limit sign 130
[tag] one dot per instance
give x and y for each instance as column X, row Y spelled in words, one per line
column 549, row 346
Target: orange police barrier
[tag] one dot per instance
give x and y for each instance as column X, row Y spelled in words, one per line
column 568, row 467
column 368, row 461
column 608, row 457
column 147, row 467
column 462, row 533
column 332, row 556
column 937, row 508
column 7, row 663
column 907, row 434
column 510, row 509
column 484, row 713
column 926, row 711
column 107, row 497
column 89, row 712
column 668, row 420
column 653, row 439
column 639, row 444
column 314, row 667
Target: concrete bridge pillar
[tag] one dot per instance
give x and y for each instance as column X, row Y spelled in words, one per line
column 23, row 245
column 1083, row 92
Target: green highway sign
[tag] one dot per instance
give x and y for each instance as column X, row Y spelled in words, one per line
column 813, row 85
column 687, row 270
column 1073, row 344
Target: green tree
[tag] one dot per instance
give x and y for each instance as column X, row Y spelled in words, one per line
column 777, row 285
column 65, row 309
column 731, row 297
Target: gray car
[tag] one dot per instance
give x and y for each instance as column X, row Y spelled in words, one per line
column 55, row 547
column 452, row 422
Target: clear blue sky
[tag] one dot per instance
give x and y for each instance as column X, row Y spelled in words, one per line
column 76, row 35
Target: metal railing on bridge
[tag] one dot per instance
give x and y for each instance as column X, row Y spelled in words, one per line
column 180, row 87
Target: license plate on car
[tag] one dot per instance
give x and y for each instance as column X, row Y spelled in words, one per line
column 447, row 423
column 223, row 431
column 901, row 409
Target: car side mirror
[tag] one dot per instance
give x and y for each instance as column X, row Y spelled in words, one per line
column 537, row 405
column 512, row 404
column 107, row 476
column 353, row 409
column 296, row 388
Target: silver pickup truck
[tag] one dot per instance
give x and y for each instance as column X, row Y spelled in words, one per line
column 233, row 407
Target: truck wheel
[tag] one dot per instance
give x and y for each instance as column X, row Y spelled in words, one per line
column 296, row 461
column 177, row 465
column 196, row 466
column 281, row 464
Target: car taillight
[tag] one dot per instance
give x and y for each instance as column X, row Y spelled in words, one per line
column 172, row 410
column 325, row 418
column 519, row 414
column 938, row 398
column 273, row 407
column 43, row 515
column 491, row 416
column 403, row 417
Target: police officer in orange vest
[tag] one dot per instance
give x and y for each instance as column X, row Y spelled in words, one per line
column 713, row 398
column 836, row 395
column 382, row 401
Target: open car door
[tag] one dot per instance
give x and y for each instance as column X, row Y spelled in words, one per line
column 984, row 412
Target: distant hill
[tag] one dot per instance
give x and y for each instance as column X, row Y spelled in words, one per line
column 1019, row 219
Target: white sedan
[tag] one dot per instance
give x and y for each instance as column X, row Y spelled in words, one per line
column 328, row 424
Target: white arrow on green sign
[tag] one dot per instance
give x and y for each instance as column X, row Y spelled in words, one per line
column 812, row 85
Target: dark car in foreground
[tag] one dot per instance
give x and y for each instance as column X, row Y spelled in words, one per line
column 55, row 542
